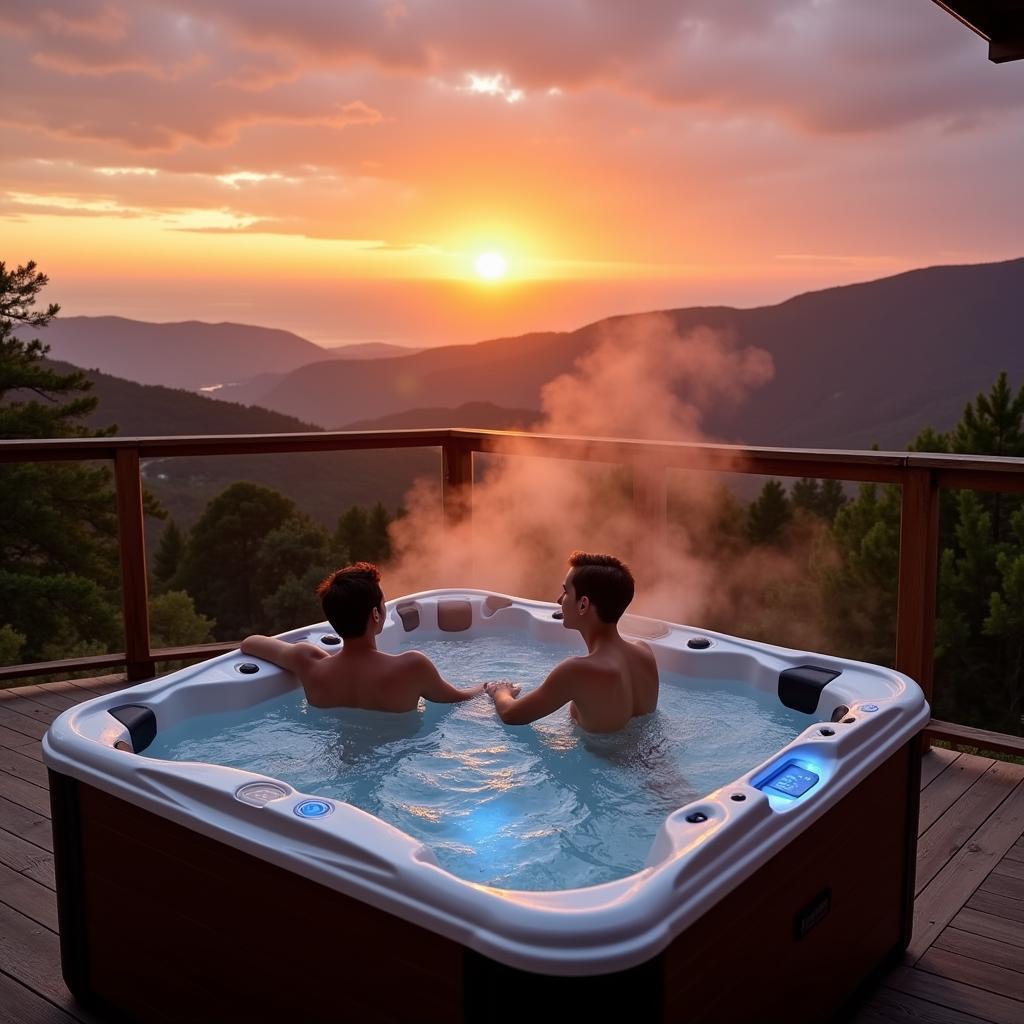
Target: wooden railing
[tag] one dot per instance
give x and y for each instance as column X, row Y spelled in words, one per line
column 921, row 477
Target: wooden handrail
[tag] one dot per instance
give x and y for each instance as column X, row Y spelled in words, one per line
column 918, row 576
column 922, row 475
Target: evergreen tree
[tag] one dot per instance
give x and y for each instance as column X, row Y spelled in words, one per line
column 379, row 546
column 822, row 498
column 805, row 494
column 769, row 515
column 291, row 549
column 59, row 579
column 860, row 594
column 294, row 603
column 11, row 643
column 291, row 561
column 980, row 604
column 1005, row 622
column 168, row 554
column 220, row 563
column 174, row 621
column 977, row 670
column 352, row 536
column 994, row 425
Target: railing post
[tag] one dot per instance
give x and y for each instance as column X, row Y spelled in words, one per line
column 132, row 543
column 457, row 481
column 918, row 577
column 650, row 505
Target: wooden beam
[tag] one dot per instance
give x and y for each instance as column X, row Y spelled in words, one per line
column 65, row 666
column 918, row 575
column 967, row 736
column 457, row 481
column 134, row 586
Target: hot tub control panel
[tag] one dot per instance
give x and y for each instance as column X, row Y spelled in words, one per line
column 790, row 780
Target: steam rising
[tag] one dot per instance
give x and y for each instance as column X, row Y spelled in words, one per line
column 642, row 380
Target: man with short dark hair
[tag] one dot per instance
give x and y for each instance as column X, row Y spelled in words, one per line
column 615, row 681
column 358, row 676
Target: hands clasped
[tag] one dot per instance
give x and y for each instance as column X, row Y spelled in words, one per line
column 501, row 686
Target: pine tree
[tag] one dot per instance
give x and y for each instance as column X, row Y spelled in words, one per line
column 168, row 554
column 768, row 516
column 220, row 563
column 980, row 599
column 822, row 498
column 805, row 494
column 379, row 547
column 994, row 425
column 291, row 561
column 1006, row 623
column 351, row 538
column 59, row 579
column 860, row 594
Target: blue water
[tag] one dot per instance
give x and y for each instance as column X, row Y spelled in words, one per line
column 544, row 806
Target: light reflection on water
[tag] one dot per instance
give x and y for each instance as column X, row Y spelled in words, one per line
column 545, row 806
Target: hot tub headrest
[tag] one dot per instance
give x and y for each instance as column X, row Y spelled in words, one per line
column 800, row 687
column 493, row 603
column 454, row 616
column 140, row 722
column 410, row 616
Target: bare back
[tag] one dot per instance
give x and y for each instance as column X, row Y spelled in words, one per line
column 360, row 677
column 370, row 680
column 614, row 684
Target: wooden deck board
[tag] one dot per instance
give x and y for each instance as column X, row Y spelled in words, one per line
column 20, row 765
column 954, row 781
column 978, row 973
column 947, row 992
column 1008, row 910
column 963, row 818
column 28, row 897
column 965, row 964
column 890, row 1005
column 23, row 823
column 990, row 926
column 21, row 1005
column 936, row 761
column 966, row 871
column 978, row 947
column 15, row 719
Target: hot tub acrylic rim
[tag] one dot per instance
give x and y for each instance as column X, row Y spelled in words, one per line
column 575, row 931
column 535, row 931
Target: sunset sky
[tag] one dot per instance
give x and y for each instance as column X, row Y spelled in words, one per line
column 338, row 168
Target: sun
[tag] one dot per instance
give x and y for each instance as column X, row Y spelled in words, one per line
column 491, row 266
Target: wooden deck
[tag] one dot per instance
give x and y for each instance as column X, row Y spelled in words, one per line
column 965, row 962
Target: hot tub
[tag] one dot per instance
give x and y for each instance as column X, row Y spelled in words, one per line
column 194, row 890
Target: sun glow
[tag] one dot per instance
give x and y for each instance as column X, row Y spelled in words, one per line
column 491, row 266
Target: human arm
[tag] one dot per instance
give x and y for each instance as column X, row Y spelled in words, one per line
column 295, row 658
column 556, row 691
column 431, row 685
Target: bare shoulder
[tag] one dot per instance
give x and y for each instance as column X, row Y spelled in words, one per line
column 411, row 659
column 644, row 649
column 411, row 665
column 583, row 667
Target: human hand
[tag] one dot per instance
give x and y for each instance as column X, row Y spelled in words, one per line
column 501, row 685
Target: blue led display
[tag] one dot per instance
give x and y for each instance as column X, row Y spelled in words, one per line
column 869, row 707
column 314, row 808
column 791, row 781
